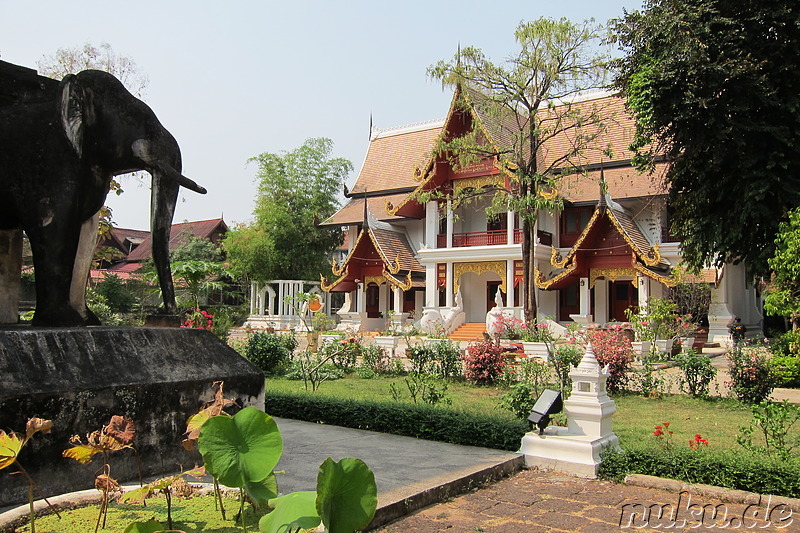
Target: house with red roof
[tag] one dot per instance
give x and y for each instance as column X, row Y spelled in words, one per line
column 135, row 246
column 609, row 249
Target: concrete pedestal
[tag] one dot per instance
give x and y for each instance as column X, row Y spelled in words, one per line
column 557, row 450
column 80, row 377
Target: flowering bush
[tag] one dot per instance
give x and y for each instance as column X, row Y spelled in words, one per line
column 537, row 333
column 483, row 362
column 343, row 353
column 752, row 380
column 509, row 327
column 698, row 372
column 664, row 434
column 697, row 442
column 640, row 324
column 612, row 348
column 197, row 318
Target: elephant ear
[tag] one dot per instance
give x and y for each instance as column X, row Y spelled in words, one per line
column 73, row 106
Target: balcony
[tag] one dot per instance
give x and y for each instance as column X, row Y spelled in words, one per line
column 488, row 238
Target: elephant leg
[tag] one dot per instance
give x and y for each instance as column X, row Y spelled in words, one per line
column 80, row 270
column 54, row 245
column 10, row 269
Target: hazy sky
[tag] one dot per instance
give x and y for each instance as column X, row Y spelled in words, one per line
column 234, row 79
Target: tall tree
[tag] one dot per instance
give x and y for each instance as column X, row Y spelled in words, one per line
column 296, row 189
column 526, row 102
column 73, row 60
column 714, row 87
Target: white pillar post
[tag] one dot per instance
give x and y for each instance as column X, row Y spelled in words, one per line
column 431, row 223
column 585, row 303
column 644, row 293
column 510, row 283
column 600, row 301
column 361, row 302
column 431, row 285
column 449, row 223
column 510, row 227
column 449, row 284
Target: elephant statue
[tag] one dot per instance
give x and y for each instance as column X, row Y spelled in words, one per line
column 61, row 143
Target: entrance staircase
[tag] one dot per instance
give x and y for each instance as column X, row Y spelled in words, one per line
column 469, row 331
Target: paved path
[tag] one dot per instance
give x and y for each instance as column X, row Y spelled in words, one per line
column 536, row 502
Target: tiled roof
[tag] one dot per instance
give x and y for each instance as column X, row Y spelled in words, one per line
column 394, row 246
column 623, row 182
column 353, row 211
column 179, row 235
column 393, row 157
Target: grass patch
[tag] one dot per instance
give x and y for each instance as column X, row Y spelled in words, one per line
column 191, row 515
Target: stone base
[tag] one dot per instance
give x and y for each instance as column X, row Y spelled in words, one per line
column 80, row 377
column 162, row 321
column 578, row 455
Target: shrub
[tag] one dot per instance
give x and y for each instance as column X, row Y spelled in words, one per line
column 612, row 348
column 520, row 399
column 421, row 421
column 269, row 351
column 343, row 353
column 786, row 344
column 698, row 372
column 119, row 297
column 773, row 421
column 722, row 468
column 375, row 359
column 751, row 379
column 565, row 357
column 425, row 388
column 786, row 370
column 442, row 358
column 483, row 362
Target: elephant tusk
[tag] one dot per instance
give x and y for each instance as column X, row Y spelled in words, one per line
column 182, row 180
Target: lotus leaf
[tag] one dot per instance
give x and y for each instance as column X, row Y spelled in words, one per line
column 295, row 510
column 241, row 449
column 347, row 495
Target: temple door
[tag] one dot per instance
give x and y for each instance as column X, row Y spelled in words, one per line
column 373, row 301
column 622, row 295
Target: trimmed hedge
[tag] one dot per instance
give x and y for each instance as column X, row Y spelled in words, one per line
column 723, row 468
column 410, row 420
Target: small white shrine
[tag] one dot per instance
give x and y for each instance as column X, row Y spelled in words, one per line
column 575, row 449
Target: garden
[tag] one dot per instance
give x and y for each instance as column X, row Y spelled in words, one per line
column 671, row 424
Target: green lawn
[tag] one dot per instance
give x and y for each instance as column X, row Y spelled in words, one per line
column 717, row 420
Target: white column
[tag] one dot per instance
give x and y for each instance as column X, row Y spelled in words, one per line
column 644, row 292
column 398, row 300
column 510, row 283
column 253, row 298
column 449, row 284
column 431, row 285
column 600, row 301
column 431, row 223
column 361, row 302
column 510, row 217
column 585, row 304
column 449, row 223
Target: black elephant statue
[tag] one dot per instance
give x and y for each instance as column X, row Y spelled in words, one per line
column 61, row 143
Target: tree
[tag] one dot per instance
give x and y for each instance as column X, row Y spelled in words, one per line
column 73, row 60
column 713, row 90
column 783, row 296
column 527, row 102
column 295, row 190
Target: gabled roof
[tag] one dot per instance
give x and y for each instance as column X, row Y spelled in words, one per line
column 379, row 252
column 644, row 257
column 180, row 234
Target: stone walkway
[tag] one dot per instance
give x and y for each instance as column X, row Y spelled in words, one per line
column 536, row 501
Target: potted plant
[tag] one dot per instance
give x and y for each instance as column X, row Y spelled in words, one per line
column 536, row 340
column 685, row 331
column 662, row 316
column 643, row 334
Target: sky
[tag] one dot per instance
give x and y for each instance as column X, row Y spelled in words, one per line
column 231, row 80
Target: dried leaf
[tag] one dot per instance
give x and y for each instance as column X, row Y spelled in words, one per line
column 122, row 429
column 209, row 410
column 35, row 425
column 106, row 483
column 10, row 445
column 82, row 453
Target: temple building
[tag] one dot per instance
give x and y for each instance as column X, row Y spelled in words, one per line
column 413, row 252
